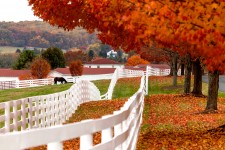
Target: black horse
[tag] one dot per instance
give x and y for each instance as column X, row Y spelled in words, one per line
column 60, row 79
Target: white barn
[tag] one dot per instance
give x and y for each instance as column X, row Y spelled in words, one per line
column 103, row 63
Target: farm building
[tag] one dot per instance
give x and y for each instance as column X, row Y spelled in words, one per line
column 103, row 63
column 10, row 75
column 88, row 73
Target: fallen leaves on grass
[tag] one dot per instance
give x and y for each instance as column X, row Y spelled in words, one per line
column 176, row 122
column 90, row 110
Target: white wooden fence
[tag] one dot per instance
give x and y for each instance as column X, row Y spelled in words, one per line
column 118, row 131
column 46, row 110
column 160, row 72
column 120, row 73
column 33, row 83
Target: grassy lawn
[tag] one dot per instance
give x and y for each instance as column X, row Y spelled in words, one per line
column 102, row 85
column 14, row 94
column 163, row 85
column 126, row 87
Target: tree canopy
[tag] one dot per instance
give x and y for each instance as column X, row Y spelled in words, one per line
column 24, row 60
column 55, row 57
column 193, row 27
column 40, row 68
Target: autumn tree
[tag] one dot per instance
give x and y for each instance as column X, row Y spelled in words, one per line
column 40, row 68
column 74, row 56
column 24, row 60
column 136, row 60
column 27, row 76
column 134, row 24
column 55, row 57
column 76, row 68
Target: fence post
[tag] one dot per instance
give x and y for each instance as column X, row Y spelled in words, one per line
column 37, row 109
column 7, row 116
column 23, row 115
column 30, row 113
column 146, row 81
column 106, row 133
column 125, row 125
column 86, row 141
column 15, row 117
column 117, row 130
column 55, row 146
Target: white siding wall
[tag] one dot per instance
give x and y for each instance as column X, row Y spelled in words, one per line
column 104, row 66
column 9, row 78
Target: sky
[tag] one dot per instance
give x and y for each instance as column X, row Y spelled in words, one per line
column 16, row 10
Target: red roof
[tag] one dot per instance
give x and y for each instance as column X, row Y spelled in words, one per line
column 102, row 61
column 12, row 73
column 88, row 71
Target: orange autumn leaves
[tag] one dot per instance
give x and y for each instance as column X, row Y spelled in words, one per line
column 196, row 27
column 175, row 122
column 39, row 69
column 136, row 60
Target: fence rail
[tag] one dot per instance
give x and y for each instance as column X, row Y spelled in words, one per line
column 46, row 110
column 7, row 85
column 40, row 118
column 123, row 124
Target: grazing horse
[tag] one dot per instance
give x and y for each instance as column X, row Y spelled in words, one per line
column 60, row 79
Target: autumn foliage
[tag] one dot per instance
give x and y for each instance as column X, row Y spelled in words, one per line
column 76, row 68
column 75, row 55
column 26, row 77
column 136, row 60
column 40, row 68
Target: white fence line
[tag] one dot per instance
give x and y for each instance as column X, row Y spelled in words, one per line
column 125, row 125
column 46, row 110
column 120, row 73
column 34, row 83
column 160, row 72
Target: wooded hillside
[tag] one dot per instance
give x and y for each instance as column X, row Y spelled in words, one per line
column 42, row 35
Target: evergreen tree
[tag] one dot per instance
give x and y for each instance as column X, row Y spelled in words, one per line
column 55, row 57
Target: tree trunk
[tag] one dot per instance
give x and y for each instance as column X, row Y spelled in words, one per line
column 182, row 69
column 175, row 70
column 212, row 91
column 187, row 82
column 197, row 69
column 171, row 70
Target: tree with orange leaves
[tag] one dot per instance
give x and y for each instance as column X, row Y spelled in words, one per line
column 40, row 68
column 136, row 60
column 131, row 24
column 26, row 77
column 76, row 68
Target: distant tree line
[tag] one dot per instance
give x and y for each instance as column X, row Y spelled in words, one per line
column 42, row 35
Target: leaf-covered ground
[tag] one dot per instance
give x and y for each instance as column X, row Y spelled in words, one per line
column 170, row 121
column 176, row 122
column 90, row 110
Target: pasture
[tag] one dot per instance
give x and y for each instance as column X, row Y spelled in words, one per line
column 170, row 120
column 9, row 49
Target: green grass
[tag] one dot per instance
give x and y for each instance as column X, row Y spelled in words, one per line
column 164, row 86
column 205, row 91
column 126, row 87
column 14, row 94
column 102, row 85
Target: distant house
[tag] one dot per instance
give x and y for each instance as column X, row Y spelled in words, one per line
column 111, row 53
column 103, row 63
column 9, row 74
